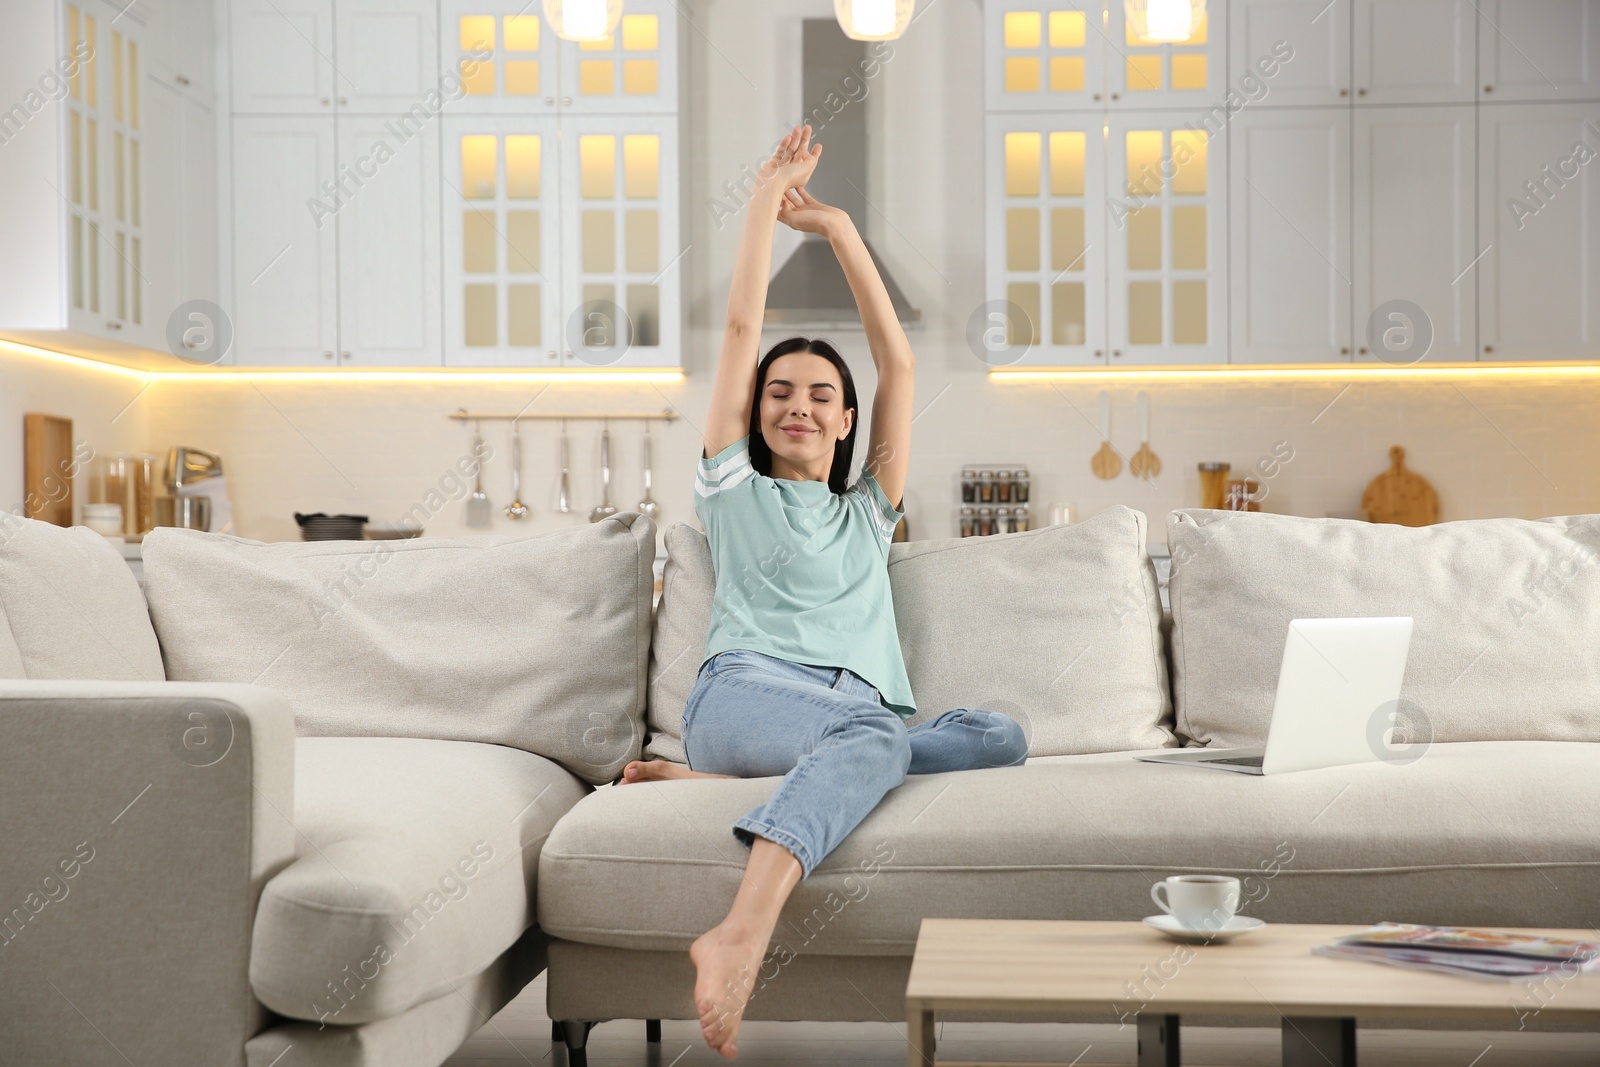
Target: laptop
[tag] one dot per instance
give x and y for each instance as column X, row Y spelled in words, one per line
column 1338, row 690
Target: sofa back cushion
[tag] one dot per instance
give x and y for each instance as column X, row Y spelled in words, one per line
column 1057, row 627
column 1504, row 645
column 540, row 643
column 72, row 607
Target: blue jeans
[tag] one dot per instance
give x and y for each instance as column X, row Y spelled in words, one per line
column 838, row 747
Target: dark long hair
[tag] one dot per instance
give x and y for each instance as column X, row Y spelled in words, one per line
column 843, row 451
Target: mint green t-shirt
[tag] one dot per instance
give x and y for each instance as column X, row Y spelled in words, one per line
column 802, row 572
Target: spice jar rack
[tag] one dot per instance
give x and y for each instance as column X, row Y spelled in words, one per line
column 993, row 498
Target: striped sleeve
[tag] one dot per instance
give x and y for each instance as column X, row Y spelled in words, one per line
column 723, row 471
column 883, row 514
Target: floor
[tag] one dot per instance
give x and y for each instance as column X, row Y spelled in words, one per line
column 520, row 1034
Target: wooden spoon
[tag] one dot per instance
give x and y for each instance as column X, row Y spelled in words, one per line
column 1106, row 463
column 1145, row 463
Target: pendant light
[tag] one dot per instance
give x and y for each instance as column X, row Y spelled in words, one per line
column 873, row 20
column 583, row 20
column 1163, row 21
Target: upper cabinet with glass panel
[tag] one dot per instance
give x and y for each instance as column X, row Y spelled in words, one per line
column 511, row 62
column 1080, row 55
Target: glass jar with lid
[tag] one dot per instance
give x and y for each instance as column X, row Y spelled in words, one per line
column 969, row 522
column 969, row 485
column 986, row 487
column 1019, row 486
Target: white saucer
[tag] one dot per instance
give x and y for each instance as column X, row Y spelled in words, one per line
column 1237, row 926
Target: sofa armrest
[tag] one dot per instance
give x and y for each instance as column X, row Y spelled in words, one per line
column 140, row 822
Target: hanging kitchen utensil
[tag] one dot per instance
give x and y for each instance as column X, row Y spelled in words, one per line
column 478, row 502
column 605, row 507
column 647, row 506
column 1400, row 496
column 1106, row 463
column 1145, row 463
column 516, row 509
column 564, row 502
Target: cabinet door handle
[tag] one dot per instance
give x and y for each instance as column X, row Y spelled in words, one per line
column 1097, row 96
column 1344, row 92
column 1488, row 349
column 1363, row 350
column 1116, row 353
column 345, row 100
column 327, row 355
column 111, row 325
column 1344, row 350
column 1099, row 353
column 549, row 101
column 550, row 354
column 566, row 101
column 1116, row 96
column 326, row 102
column 181, row 80
column 1488, row 88
column 344, row 355
column 1361, row 92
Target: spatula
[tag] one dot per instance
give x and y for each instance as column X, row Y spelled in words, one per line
column 478, row 502
column 1145, row 463
column 1106, row 463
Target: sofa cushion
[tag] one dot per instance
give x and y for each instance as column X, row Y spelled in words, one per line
column 540, row 643
column 1472, row 833
column 1057, row 627
column 416, row 866
column 1507, row 619
column 73, row 607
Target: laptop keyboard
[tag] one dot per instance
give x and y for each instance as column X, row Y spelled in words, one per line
column 1240, row 761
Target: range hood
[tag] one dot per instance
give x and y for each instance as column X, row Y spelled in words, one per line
column 810, row 288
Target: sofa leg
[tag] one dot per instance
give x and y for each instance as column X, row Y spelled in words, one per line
column 576, row 1035
column 555, row 1032
column 652, row 1031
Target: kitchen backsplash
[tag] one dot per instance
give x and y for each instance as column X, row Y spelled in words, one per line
column 1492, row 447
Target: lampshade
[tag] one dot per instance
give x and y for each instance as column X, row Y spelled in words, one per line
column 873, row 20
column 1163, row 21
column 583, row 20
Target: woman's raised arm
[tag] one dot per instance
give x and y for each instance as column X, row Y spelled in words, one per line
column 889, row 453
column 733, row 390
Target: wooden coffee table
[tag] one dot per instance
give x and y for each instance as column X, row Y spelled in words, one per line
column 1133, row 976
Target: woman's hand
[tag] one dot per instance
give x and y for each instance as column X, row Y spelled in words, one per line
column 792, row 162
column 804, row 212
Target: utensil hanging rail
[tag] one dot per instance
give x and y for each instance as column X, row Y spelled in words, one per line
column 462, row 414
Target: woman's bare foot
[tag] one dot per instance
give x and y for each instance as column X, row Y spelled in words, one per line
column 660, row 770
column 727, row 963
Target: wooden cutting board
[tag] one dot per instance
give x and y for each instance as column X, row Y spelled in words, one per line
column 47, row 468
column 1400, row 496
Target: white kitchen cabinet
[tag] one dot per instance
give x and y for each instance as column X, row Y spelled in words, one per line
column 1045, row 252
column 1539, row 219
column 183, row 46
column 1166, row 241
column 621, row 262
column 1318, row 32
column 1140, row 74
column 1538, row 50
column 388, row 238
column 386, row 52
column 504, row 55
column 285, row 285
column 311, row 57
column 1044, row 55
column 282, row 57
column 1415, row 51
column 180, row 261
column 1289, row 216
column 502, row 242
column 1414, row 201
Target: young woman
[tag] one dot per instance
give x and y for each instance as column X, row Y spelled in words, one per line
column 803, row 675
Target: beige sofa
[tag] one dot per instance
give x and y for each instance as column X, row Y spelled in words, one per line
column 334, row 804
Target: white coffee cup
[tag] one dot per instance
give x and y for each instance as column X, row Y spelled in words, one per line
column 1198, row 901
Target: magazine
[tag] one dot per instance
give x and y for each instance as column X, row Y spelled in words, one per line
column 1494, row 955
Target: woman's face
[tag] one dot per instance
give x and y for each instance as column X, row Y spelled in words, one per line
column 802, row 410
